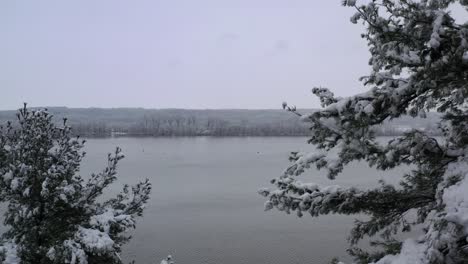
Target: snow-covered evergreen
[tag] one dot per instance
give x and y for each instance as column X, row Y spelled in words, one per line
column 419, row 64
column 167, row 260
column 54, row 215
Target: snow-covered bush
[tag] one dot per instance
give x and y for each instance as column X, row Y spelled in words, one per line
column 167, row 260
column 54, row 215
column 419, row 60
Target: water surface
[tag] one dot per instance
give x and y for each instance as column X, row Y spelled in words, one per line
column 204, row 208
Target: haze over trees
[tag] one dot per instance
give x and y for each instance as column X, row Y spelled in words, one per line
column 55, row 215
column 419, row 62
column 99, row 122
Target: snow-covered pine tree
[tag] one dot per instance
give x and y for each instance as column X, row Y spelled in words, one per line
column 167, row 260
column 54, row 215
column 419, row 60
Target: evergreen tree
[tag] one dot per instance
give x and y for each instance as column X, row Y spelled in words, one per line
column 54, row 215
column 419, row 60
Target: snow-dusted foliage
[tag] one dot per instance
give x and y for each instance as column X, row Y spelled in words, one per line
column 419, row 64
column 54, row 215
column 167, row 260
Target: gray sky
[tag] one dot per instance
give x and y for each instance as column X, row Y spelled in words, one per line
column 173, row 53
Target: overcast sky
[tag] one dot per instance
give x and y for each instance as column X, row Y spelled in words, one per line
column 177, row 54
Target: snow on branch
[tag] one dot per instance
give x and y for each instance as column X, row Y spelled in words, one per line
column 53, row 214
column 418, row 64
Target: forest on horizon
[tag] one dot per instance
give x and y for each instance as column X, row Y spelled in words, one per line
column 107, row 122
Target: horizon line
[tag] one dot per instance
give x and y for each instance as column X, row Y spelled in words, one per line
column 145, row 108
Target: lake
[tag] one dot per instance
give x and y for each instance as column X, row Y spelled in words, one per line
column 204, row 208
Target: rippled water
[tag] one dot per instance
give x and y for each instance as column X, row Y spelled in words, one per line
column 205, row 208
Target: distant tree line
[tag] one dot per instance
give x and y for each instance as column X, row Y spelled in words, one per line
column 107, row 122
column 176, row 126
column 190, row 126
